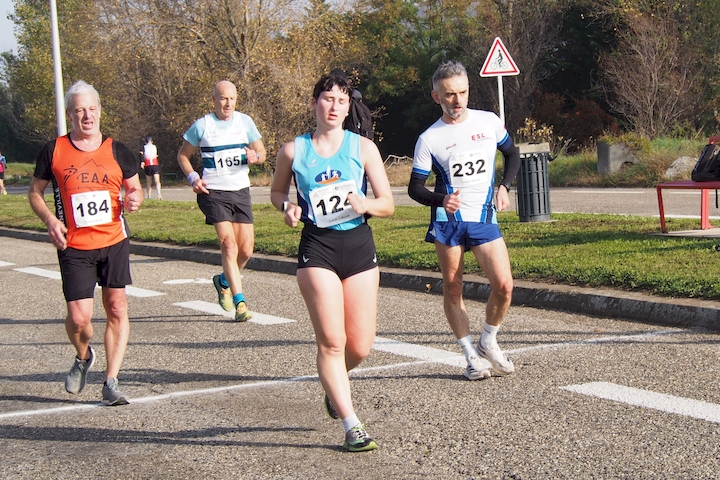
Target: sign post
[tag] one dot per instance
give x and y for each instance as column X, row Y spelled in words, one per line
column 498, row 64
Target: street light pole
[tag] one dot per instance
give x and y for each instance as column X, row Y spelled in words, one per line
column 57, row 69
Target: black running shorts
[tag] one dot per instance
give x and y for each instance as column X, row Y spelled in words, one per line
column 345, row 252
column 82, row 269
column 151, row 170
column 226, row 206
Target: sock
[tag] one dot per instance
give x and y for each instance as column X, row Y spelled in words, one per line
column 223, row 281
column 350, row 422
column 488, row 338
column 467, row 346
column 238, row 298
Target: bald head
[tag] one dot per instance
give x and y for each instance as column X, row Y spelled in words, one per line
column 224, row 98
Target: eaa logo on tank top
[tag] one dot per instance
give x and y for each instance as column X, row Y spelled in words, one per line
column 330, row 175
column 90, row 172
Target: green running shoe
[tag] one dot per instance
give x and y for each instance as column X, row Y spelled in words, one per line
column 242, row 314
column 225, row 297
column 357, row 440
column 332, row 413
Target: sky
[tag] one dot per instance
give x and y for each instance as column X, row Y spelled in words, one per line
column 7, row 37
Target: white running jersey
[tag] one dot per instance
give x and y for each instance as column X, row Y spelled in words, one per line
column 463, row 158
column 222, row 146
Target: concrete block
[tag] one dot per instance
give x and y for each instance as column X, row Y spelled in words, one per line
column 611, row 157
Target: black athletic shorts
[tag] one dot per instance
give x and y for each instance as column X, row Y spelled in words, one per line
column 82, row 269
column 151, row 170
column 226, row 206
column 345, row 252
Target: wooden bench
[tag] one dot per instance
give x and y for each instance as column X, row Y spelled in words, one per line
column 704, row 188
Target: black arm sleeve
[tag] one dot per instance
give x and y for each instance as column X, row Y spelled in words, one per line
column 126, row 159
column 418, row 192
column 43, row 164
column 511, row 153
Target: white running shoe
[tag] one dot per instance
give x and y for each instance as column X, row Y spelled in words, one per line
column 500, row 363
column 477, row 368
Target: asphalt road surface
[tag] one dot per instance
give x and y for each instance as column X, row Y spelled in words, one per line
column 591, row 398
column 621, row 201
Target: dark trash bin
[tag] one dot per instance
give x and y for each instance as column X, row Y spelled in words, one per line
column 533, row 185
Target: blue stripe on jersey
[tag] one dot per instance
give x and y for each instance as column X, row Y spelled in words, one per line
column 222, row 147
column 504, row 139
column 420, row 172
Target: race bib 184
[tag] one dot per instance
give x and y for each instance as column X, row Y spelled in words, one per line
column 91, row 208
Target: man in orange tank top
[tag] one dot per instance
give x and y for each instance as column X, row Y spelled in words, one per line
column 88, row 172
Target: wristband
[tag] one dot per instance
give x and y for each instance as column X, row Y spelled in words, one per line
column 285, row 205
column 192, row 176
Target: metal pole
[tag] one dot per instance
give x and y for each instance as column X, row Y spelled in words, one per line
column 501, row 99
column 57, row 69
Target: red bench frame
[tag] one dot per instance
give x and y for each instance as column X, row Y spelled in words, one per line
column 704, row 188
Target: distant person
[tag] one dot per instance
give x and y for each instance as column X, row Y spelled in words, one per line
column 337, row 270
column 460, row 148
column 3, row 167
column 151, row 164
column 229, row 142
column 88, row 172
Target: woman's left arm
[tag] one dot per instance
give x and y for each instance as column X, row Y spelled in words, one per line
column 383, row 204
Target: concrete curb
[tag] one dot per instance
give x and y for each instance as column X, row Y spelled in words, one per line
column 602, row 302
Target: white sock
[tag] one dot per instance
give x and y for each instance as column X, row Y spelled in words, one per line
column 488, row 338
column 350, row 422
column 467, row 346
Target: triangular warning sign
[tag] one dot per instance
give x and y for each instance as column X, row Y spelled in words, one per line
column 498, row 62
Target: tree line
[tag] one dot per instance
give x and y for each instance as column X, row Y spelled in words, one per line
column 587, row 67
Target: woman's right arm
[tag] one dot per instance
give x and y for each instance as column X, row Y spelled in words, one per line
column 281, row 185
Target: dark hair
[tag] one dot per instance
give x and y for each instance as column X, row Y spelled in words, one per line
column 327, row 82
column 148, row 139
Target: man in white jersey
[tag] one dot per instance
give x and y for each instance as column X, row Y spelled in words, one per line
column 460, row 149
column 229, row 142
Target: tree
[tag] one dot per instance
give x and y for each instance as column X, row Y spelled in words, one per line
column 650, row 79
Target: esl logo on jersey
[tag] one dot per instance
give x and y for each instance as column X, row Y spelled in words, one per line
column 328, row 176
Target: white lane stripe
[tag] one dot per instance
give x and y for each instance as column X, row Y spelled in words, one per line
column 425, row 354
column 130, row 290
column 5, row 264
column 141, row 292
column 615, row 338
column 215, row 309
column 41, row 272
column 647, row 399
column 429, row 354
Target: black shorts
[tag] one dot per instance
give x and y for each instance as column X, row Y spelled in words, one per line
column 81, row 269
column 345, row 252
column 151, row 170
column 2, row 175
column 226, row 206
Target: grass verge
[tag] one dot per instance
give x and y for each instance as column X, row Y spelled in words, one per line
column 611, row 251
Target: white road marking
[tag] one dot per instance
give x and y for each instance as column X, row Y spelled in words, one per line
column 181, row 281
column 215, row 309
column 429, row 354
column 141, row 292
column 424, row 354
column 5, row 264
column 41, row 272
column 130, row 290
column 647, row 399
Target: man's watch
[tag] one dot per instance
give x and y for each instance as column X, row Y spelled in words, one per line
column 506, row 185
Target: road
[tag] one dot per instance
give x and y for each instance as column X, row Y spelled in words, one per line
column 593, row 397
column 621, row 201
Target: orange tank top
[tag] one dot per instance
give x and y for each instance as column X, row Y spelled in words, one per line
column 89, row 202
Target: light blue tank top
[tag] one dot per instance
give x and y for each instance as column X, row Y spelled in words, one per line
column 324, row 183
